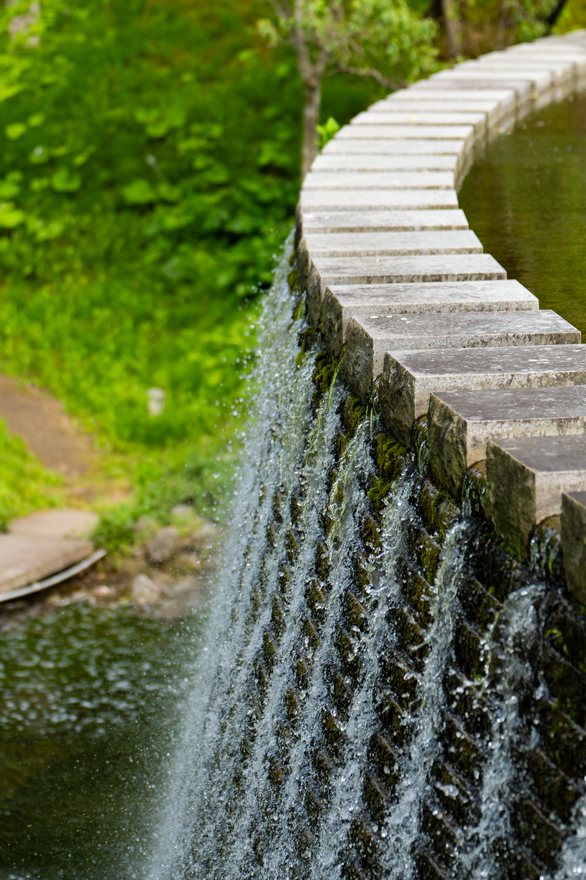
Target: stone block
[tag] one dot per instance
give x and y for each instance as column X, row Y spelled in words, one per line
column 412, row 116
column 559, row 73
column 495, row 104
column 371, row 244
column 576, row 60
column 394, row 270
column 574, row 543
column 341, row 302
column 374, row 162
column 525, row 480
column 410, row 377
column 372, row 200
column 378, row 180
column 351, row 143
column 368, row 339
column 461, row 423
column 25, row 559
column 451, row 81
column 370, row 131
column 383, row 221
column 538, row 80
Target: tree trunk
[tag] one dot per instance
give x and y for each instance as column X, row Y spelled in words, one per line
column 311, row 108
column 552, row 18
column 451, row 28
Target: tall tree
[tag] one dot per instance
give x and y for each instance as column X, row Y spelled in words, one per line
column 383, row 39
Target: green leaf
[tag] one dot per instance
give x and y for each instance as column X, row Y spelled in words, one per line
column 139, row 192
column 169, row 193
column 15, row 130
column 8, row 189
column 10, row 215
column 146, row 116
column 38, row 184
column 66, row 181
column 39, row 156
column 158, row 129
column 36, row 120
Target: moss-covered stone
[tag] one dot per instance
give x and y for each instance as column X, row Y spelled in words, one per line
column 426, row 551
column 376, row 796
column 277, row 616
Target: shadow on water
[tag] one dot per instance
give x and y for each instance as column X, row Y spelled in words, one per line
column 526, row 201
column 88, row 703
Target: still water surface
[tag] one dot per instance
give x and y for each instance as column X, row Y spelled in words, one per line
column 526, row 201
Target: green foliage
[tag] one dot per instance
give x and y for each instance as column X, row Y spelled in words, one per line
column 327, row 131
column 18, row 469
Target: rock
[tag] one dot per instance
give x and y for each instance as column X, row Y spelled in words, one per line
column 182, row 511
column 163, row 545
column 145, row 590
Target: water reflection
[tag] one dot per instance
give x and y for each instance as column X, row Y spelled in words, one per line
column 526, row 201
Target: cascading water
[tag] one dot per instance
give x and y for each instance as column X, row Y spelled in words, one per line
column 381, row 684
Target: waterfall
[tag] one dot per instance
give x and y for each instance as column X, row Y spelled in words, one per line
column 316, row 730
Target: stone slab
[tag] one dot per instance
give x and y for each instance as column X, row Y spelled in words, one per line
column 559, row 73
column 368, row 131
column 368, row 339
column 537, row 80
column 24, row 559
column 375, row 300
column 56, row 524
column 410, row 377
column 383, row 221
column 495, row 104
column 390, row 116
column 574, row 542
column 576, row 60
column 462, row 422
column 320, row 180
column 372, row 244
column 526, row 477
column 364, row 144
column 396, row 270
column 522, row 88
column 372, row 200
column 398, row 162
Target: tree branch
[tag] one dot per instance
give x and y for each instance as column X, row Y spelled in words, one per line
column 371, row 72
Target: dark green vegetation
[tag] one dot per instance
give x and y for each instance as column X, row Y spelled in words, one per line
column 87, row 717
column 526, row 201
column 148, row 175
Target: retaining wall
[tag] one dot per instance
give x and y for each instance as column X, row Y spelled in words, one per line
column 401, row 289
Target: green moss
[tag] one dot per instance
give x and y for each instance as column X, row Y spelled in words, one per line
column 25, row 485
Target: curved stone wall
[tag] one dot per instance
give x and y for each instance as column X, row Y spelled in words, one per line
column 401, row 288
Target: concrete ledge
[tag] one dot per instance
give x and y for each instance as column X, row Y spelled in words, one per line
column 368, row 339
column 574, row 542
column 379, row 244
column 462, row 422
column 526, row 478
column 410, row 377
column 321, row 180
column 370, row 162
column 384, row 221
column 341, row 302
column 371, row 200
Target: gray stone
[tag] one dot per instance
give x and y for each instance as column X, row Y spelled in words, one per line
column 526, row 477
column 462, row 422
column 371, row 244
column 62, row 523
column 396, row 270
column 384, row 221
column 559, row 72
column 574, row 542
column 25, row 559
column 463, row 133
column 410, row 117
column 576, row 60
column 495, row 105
column 372, row 200
column 164, row 545
column 537, row 80
column 368, row 339
column 410, row 377
column 416, row 146
column 374, row 162
column 375, row 300
column 451, row 81
column 378, row 180
column 145, row 591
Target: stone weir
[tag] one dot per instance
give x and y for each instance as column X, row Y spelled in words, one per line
column 402, row 291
